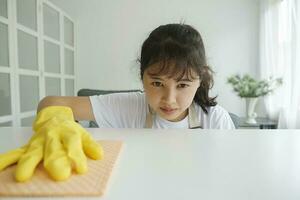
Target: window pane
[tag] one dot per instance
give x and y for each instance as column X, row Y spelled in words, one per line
column 69, row 32
column 5, row 95
column 5, row 124
column 52, row 57
column 69, row 62
column 26, row 13
column 27, row 121
column 51, row 22
column 3, row 8
column 52, row 86
column 4, row 60
column 69, row 84
column 27, row 49
column 29, row 92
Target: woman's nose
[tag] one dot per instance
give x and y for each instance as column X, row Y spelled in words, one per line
column 169, row 96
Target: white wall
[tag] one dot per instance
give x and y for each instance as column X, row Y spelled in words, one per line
column 110, row 34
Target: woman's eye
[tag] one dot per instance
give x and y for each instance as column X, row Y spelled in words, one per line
column 182, row 85
column 156, row 84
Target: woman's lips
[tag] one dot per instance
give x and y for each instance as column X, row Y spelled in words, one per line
column 168, row 110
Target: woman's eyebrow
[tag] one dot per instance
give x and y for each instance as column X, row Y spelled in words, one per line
column 185, row 79
column 156, row 77
column 162, row 79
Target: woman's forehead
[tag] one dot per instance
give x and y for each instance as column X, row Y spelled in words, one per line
column 171, row 70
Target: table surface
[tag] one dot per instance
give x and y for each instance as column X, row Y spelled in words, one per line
column 195, row 164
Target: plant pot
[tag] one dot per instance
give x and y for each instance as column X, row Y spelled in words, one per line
column 250, row 108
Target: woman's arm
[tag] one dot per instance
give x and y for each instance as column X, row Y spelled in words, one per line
column 81, row 106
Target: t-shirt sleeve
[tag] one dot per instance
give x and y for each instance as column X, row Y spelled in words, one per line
column 119, row 110
column 220, row 119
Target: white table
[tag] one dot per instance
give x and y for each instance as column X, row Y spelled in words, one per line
column 196, row 164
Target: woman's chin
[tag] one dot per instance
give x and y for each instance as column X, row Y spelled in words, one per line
column 173, row 117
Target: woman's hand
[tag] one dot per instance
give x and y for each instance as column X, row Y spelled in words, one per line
column 59, row 141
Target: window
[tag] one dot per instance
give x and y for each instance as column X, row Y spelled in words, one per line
column 37, row 57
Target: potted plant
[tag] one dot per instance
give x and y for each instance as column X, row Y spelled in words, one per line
column 250, row 89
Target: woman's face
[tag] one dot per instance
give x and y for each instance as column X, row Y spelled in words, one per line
column 168, row 97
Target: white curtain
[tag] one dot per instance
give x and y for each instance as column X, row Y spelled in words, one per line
column 280, row 57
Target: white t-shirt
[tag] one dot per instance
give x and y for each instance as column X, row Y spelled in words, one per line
column 128, row 110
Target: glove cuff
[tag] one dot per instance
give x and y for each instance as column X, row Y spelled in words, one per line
column 61, row 113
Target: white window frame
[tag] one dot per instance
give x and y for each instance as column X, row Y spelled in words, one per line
column 14, row 71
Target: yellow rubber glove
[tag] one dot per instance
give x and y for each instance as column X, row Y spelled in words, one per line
column 59, row 141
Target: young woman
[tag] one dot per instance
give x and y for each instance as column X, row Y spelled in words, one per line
column 176, row 80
